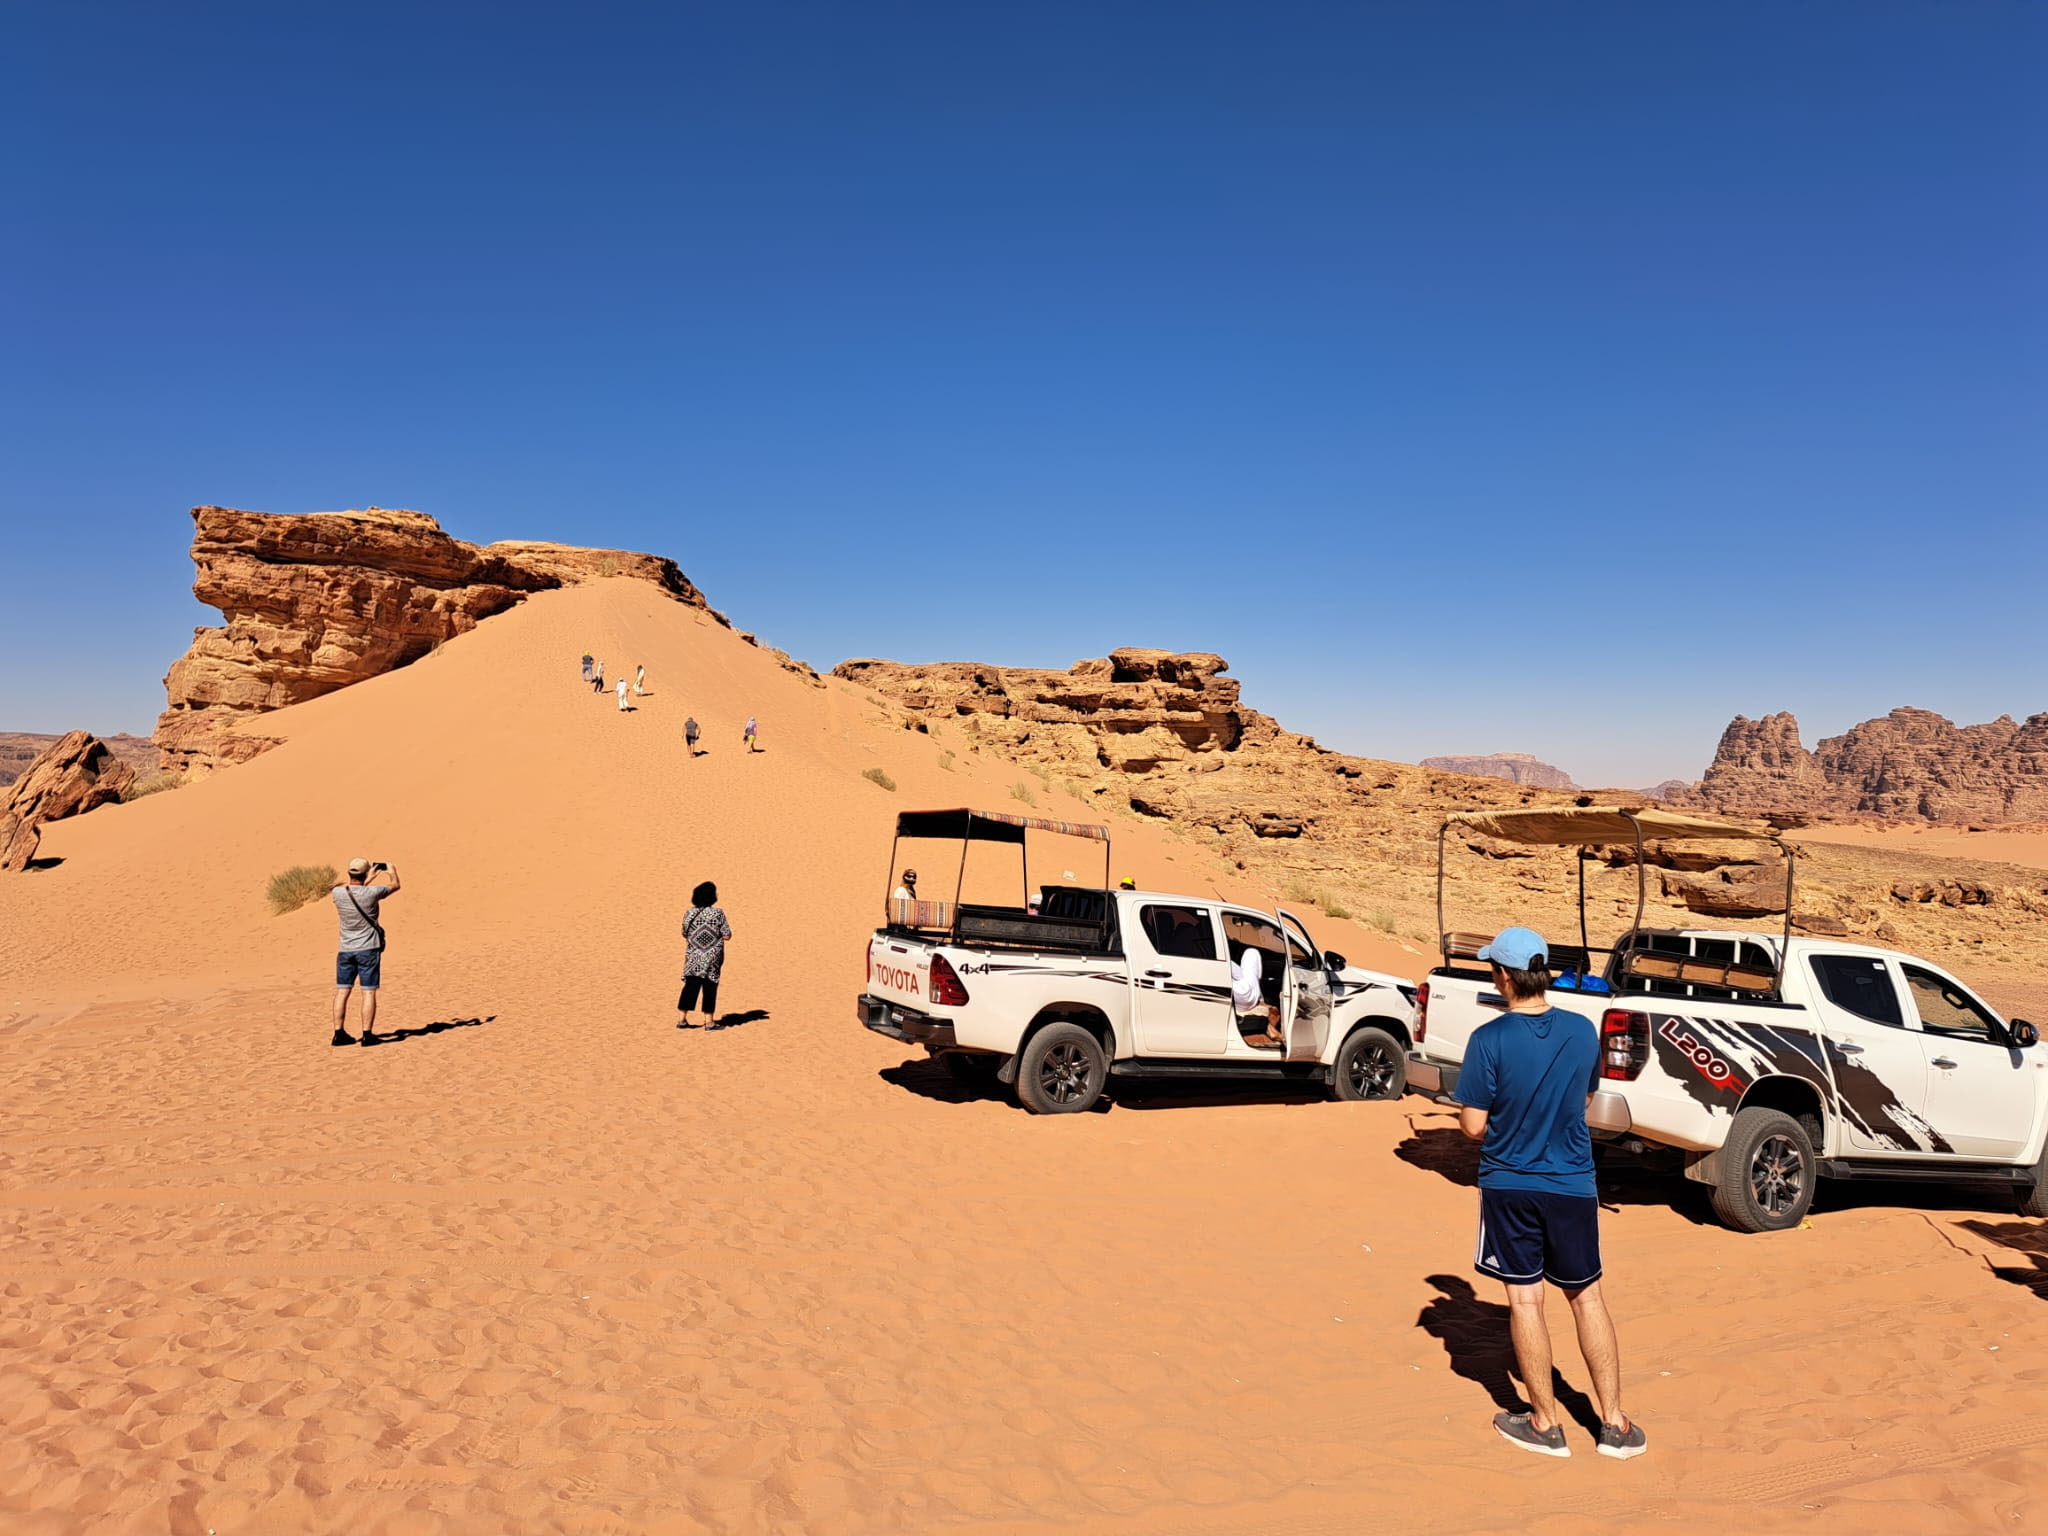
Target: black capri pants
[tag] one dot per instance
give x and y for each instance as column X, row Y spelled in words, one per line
column 691, row 986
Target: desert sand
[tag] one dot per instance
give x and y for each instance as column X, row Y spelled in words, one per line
column 545, row 1263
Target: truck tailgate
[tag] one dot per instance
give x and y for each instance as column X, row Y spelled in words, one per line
column 899, row 970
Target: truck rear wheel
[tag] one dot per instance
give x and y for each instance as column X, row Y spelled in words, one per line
column 1370, row 1064
column 1061, row 1071
column 1768, row 1169
column 2035, row 1202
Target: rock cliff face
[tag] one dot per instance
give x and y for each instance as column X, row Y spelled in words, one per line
column 319, row 601
column 1165, row 735
column 75, row 774
column 1515, row 767
column 1910, row 765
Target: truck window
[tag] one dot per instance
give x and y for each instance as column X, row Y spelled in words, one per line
column 1860, row 985
column 1185, row 932
column 1946, row 1009
column 1299, row 952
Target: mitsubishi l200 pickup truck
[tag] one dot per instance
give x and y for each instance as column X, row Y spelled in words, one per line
column 1763, row 1062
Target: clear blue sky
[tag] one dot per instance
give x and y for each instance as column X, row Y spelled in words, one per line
column 1552, row 378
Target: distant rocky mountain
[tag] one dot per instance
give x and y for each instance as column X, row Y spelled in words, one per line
column 20, row 748
column 1515, row 767
column 1670, row 789
column 1910, row 765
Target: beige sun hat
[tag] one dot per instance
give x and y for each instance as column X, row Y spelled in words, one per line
column 358, row 868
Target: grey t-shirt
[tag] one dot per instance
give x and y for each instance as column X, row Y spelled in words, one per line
column 357, row 905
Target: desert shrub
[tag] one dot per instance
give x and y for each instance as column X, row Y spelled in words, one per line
column 607, row 566
column 946, row 761
column 1022, row 791
column 1332, row 907
column 876, row 776
column 151, row 784
column 1297, row 890
column 292, row 888
column 1040, row 773
column 1382, row 919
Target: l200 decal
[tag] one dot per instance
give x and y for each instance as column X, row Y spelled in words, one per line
column 1715, row 1069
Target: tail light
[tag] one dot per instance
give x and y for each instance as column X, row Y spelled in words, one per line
column 946, row 991
column 1422, row 1013
column 871, row 965
column 1624, row 1044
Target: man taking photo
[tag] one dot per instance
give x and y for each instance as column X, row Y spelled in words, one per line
column 1527, row 1079
column 361, row 958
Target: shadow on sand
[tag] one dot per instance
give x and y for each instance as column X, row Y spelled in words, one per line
column 392, row 1037
column 729, row 1020
column 1474, row 1334
column 2029, row 1239
column 1623, row 1179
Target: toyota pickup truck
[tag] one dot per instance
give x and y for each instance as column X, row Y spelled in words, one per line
column 1761, row 1063
column 1055, row 996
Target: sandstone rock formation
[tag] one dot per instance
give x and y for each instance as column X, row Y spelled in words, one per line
column 1515, row 767
column 20, row 748
column 318, row 601
column 1910, row 765
column 74, row 775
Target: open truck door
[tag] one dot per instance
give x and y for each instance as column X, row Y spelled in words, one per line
column 1305, row 994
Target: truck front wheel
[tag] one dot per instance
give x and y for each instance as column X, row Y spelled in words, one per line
column 1370, row 1064
column 1768, row 1170
column 1061, row 1071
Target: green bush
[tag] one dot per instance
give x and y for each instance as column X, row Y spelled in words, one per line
column 876, row 776
column 292, row 888
column 1019, row 791
column 151, row 784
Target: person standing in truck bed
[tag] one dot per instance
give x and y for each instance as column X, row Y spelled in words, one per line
column 1528, row 1077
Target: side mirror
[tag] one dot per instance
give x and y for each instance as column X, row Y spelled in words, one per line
column 2024, row 1034
column 1333, row 961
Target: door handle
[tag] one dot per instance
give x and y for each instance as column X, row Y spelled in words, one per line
column 1943, row 1061
column 1848, row 1047
column 1162, row 975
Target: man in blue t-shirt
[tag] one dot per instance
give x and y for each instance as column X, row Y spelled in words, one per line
column 1523, row 1090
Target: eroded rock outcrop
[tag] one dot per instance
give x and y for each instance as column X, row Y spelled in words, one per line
column 1911, row 764
column 20, row 748
column 75, row 774
column 1515, row 767
column 317, row 601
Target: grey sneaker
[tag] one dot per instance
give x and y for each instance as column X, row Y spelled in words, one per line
column 1518, row 1429
column 1621, row 1444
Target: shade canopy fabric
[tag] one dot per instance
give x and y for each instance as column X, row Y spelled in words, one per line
column 990, row 826
column 1567, row 825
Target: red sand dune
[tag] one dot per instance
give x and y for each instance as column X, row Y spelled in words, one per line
column 569, row 1269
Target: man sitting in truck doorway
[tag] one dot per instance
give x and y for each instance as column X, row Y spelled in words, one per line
column 1528, row 1077
column 1248, row 998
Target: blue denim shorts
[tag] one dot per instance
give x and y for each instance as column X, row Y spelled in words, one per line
column 353, row 967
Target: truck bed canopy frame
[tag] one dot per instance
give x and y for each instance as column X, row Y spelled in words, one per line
column 971, row 826
column 1589, row 826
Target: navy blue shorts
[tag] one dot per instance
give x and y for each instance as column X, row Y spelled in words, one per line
column 1527, row 1235
column 358, row 966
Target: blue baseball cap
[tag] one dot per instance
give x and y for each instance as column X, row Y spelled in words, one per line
column 1516, row 948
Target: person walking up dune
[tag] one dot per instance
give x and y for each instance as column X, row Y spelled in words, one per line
column 1527, row 1080
column 705, row 931
column 751, row 728
column 622, row 695
column 360, row 957
column 639, row 681
column 586, row 666
column 690, row 734
column 597, row 678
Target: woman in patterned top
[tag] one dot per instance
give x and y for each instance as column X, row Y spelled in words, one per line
column 706, row 930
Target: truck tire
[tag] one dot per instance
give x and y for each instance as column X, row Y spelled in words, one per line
column 1061, row 1072
column 1768, row 1169
column 2035, row 1201
column 1370, row 1064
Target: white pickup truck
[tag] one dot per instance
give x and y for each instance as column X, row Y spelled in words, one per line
column 1060, row 993
column 1762, row 1062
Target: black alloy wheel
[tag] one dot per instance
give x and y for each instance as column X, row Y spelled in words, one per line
column 1370, row 1064
column 1062, row 1071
